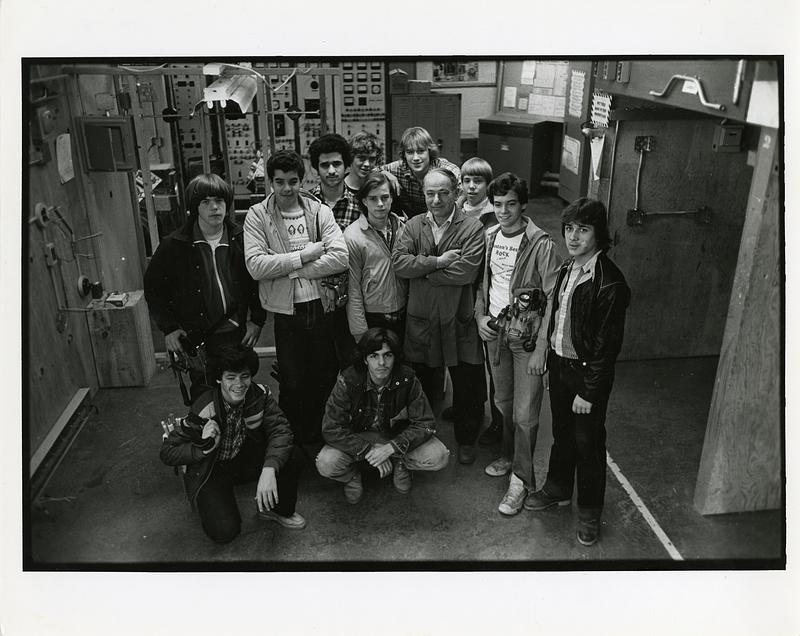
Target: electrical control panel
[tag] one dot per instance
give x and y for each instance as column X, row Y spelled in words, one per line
column 240, row 135
column 187, row 91
column 363, row 98
column 296, row 104
column 354, row 100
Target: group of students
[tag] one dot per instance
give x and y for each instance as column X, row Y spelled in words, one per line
column 443, row 270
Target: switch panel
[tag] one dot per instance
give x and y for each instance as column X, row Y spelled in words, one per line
column 364, row 105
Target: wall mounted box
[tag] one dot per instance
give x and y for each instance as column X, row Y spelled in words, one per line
column 107, row 143
column 122, row 341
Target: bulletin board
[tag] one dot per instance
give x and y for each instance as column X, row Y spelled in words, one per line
column 534, row 88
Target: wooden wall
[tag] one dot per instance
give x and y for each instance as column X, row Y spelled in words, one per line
column 740, row 468
column 680, row 272
column 58, row 348
column 60, row 360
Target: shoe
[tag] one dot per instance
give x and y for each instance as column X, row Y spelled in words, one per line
column 354, row 489
column 447, row 414
column 492, row 435
column 588, row 531
column 540, row 500
column 401, row 477
column 466, row 454
column 514, row 497
column 295, row 522
column 499, row 467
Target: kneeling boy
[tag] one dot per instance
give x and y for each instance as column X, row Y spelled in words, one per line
column 377, row 412
column 235, row 434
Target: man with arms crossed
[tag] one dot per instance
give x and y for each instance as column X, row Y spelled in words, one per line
column 441, row 253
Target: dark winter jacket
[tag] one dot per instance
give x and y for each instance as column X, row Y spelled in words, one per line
column 404, row 415
column 173, row 284
column 264, row 421
column 598, row 323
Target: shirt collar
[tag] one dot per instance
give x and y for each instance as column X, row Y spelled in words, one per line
column 589, row 266
column 449, row 219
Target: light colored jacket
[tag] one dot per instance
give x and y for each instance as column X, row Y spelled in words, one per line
column 271, row 262
column 440, row 327
column 536, row 266
column 374, row 286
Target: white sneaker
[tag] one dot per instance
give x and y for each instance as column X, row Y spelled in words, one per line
column 295, row 522
column 498, row 468
column 514, row 497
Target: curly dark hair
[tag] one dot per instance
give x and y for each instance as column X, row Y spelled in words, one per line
column 329, row 143
column 234, row 358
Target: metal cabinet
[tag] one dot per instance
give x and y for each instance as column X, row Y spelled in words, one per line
column 712, row 86
column 526, row 148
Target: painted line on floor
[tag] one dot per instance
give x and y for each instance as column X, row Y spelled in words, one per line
column 648, row 517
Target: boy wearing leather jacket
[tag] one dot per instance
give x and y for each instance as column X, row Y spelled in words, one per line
column 585, row 334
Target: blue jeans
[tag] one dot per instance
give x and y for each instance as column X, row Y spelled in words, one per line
column 518, row 396
column 431, row 455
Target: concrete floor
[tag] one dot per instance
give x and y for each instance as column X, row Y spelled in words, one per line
column 112, row 503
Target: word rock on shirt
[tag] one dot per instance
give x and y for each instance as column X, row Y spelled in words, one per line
column 502, row 260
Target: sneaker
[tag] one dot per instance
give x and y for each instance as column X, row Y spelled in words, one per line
column 514, row 497
column 499, row 467
column 588, row 531
column 401, row 477
column 540, row 500
column 466, row 454
column 492, row 435
column 354, row 489
column 295, row 522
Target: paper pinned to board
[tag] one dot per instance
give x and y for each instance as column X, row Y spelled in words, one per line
column 576, row 91
column 522, row 103
column 571, row 154
column 596, row 148
column 528, row 72
column 510, row 97
column 545, row 76
column 66, row 171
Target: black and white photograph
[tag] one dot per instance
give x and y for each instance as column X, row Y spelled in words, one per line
column 484, row 327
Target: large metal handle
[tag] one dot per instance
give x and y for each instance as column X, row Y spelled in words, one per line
column 696, row 82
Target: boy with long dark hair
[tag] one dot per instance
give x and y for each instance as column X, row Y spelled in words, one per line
column 585, row 336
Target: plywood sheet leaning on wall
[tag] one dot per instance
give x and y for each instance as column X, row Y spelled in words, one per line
column 740, row 468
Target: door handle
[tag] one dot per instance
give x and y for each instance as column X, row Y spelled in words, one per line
column 696, row 81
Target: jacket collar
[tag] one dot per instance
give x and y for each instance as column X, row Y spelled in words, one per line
column 186, row 231
column 457, row 214
column 363, row 221
column 401, row 375
column 532, row 231
column 307, row 201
